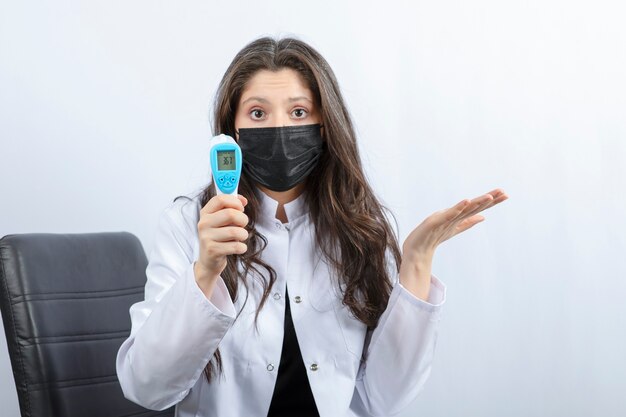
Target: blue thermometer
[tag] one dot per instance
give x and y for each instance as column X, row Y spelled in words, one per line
column 226, row 163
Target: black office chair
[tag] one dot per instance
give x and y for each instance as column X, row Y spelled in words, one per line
column 64, row 301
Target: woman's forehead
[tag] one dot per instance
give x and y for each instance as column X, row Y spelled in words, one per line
column 282, row 85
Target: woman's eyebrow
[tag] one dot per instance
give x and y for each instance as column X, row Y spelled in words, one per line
column 260, row 99
column 265, row 101
column 292, row 99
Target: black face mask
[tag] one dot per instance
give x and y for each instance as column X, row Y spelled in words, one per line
column 280, row 158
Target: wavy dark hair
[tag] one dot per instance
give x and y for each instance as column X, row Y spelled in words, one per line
column 351, row 229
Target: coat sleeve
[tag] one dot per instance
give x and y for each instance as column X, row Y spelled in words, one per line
column 175, row 329
column 400, row 350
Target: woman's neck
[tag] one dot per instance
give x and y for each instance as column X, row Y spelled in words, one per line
column 283, row 197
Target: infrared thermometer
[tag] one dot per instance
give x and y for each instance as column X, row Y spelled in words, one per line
column 226, row 163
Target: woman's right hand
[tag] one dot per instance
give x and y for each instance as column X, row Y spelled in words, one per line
column 221, row 232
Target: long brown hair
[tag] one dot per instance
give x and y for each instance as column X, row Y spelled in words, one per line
column 351, row 229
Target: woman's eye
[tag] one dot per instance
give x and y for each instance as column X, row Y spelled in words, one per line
column 299, row 113
column 257, row 114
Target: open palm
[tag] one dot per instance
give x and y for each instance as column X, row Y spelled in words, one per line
column 444, row 224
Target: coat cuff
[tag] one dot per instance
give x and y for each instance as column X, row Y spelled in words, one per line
column 436, row 295
column 220, row 301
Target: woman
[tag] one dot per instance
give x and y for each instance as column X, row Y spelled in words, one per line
column 292, row 298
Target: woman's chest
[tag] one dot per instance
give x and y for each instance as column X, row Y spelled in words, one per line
column 325, row 330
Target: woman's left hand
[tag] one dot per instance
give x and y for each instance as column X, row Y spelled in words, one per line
column 419, row 247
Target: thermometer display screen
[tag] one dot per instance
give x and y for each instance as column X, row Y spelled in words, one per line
column 226, row 160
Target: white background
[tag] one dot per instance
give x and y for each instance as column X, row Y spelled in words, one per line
column 104, row 120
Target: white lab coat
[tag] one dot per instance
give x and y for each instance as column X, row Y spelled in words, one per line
column 176, row 330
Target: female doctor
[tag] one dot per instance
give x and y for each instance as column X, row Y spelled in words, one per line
column 292, row 298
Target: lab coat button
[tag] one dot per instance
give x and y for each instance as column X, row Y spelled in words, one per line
column 270, row 367
column 276, row 296
column 298, row 299
column 314, row 367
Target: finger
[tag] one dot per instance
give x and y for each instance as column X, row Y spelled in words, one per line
column 498, row 196
column 244, row 200
column 483, row 202
column 480, row 205
column 454, row 211
column 449, row 215
column 467, row 210
column 227, row 248
column 469, row 222
column 496, row 192
column 227, row 217
column 488, row 204
column 227, row 234
column 222, row 201
column 469, row 206
column 465, row 224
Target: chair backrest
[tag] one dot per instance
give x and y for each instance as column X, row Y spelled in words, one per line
column 64, row 301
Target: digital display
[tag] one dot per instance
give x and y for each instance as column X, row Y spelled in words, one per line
column 225, row 160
